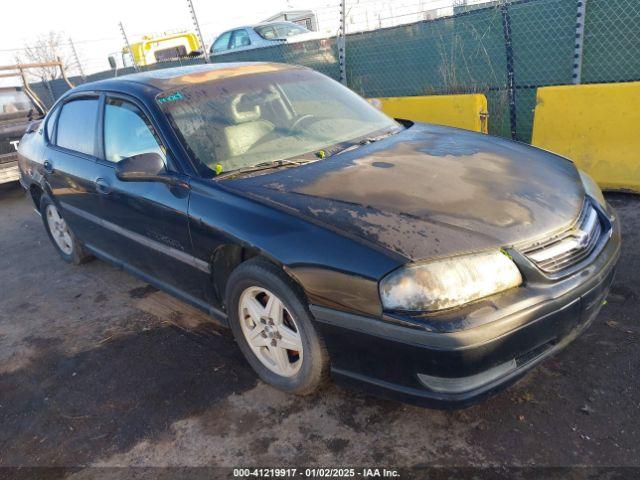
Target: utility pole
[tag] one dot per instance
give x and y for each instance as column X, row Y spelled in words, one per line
column 126, row 41
column 75, row 55
column 192, row 11
column 341, row 44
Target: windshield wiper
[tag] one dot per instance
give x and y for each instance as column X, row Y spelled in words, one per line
column 363, row 141
column 262, row 166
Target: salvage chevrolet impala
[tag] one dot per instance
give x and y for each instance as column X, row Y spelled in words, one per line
column 425, row 263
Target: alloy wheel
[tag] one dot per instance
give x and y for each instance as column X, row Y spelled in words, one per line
column 59, row 230
column 271, row 331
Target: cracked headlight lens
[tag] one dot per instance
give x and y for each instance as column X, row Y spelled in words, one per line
column 447, row 283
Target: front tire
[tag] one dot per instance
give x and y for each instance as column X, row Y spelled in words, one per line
column 61, row 236
column 272, row 325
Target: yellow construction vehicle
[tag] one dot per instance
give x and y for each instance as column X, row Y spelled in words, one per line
column 158, row 48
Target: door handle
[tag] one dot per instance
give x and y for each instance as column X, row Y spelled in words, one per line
column 102, row 186
column 48, row 166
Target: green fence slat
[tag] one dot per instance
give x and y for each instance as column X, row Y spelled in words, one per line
column 611, row 41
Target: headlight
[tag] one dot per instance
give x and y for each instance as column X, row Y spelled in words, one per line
column 447, row 283
column 592, row 189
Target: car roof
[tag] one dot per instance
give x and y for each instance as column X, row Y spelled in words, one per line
column 154, row 81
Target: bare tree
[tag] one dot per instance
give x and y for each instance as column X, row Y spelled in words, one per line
column 46, row 48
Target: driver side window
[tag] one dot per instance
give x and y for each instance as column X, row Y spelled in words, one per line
column 128, row 132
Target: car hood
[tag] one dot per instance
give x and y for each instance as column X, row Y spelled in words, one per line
column 430, row 192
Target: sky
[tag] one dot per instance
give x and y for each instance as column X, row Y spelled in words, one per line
column 93, row 25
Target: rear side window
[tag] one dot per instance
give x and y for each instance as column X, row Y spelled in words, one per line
column 51, row 122
column 280, row 30
column 240, row 39
column 288, row 30
column 77, row 125
column 267, row 32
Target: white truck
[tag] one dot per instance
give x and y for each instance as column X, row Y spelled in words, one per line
column 19, row 108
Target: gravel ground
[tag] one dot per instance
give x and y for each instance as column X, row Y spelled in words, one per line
column 99, row 369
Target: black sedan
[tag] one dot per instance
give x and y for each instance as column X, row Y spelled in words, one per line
column 426, row 263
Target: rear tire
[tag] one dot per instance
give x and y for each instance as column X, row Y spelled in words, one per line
column 272, row 325
column 61, row 236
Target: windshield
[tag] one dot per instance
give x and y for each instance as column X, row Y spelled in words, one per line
column 14, row 101
column 248, row 120
column 279, row 30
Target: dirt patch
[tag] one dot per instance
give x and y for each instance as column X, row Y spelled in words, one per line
column 142, row 292
column 72, row 410
column 98, row 368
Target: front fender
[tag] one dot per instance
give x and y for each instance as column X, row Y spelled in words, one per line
column 333, row 269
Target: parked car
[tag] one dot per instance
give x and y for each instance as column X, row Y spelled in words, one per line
column 261, row 35
column 17, row 111
column 426, row 263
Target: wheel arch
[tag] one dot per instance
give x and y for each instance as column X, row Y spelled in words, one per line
column 226, row 258
column 36, row 192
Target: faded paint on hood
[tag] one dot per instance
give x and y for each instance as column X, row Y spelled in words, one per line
column 431, row 191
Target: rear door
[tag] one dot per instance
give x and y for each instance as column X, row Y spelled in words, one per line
column 146, row 221
column 69, row 163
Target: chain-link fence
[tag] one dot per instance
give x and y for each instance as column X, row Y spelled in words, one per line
column 505, row 49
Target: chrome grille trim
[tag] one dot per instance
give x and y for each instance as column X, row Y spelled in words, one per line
column 570, row 247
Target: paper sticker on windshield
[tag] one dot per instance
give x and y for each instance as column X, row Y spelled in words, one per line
column 174, row 97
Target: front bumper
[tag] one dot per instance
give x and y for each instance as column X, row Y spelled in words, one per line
column 488, row 349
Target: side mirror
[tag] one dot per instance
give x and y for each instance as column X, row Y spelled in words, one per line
column 112, row 62
column 145, row 167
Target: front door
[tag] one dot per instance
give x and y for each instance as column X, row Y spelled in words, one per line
column 148, row 219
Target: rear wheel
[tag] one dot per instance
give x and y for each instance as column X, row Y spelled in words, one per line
column 63, row 239
column 272, row 326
